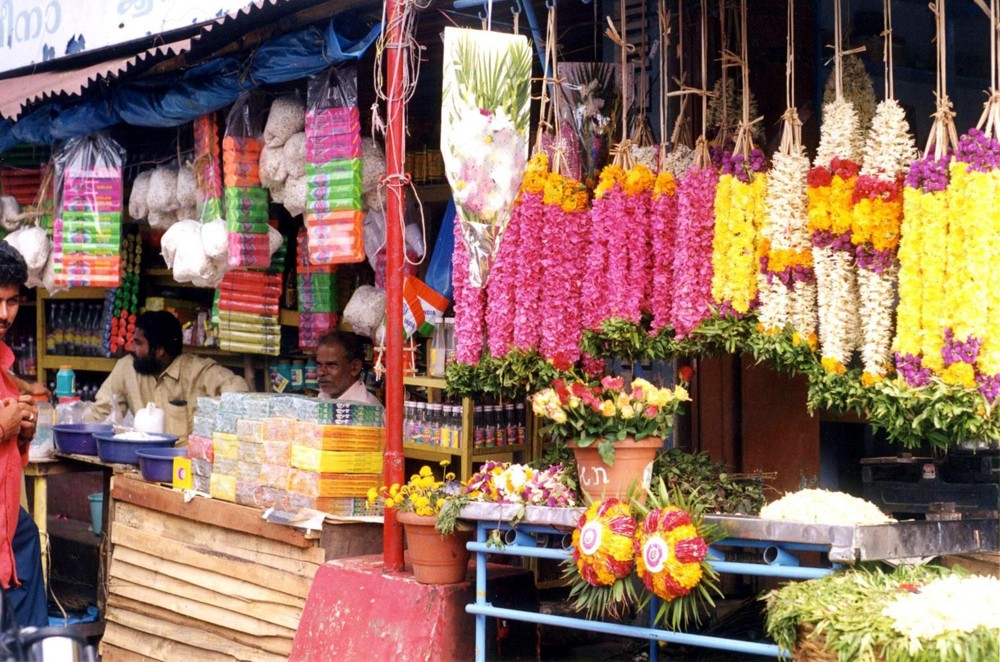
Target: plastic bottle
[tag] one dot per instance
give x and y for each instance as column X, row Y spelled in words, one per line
column 457, row 435
column 59, row 329
column 31, row 369
column 438, row 349
column 478, row 426
column 434, row 429
column 420, row 423
column 490, row 434
column 66, row 382
column 521, row 423
column 407, row 420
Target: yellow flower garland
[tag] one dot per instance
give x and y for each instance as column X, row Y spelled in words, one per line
column 935, row 316
column 739, row 216
column 909, row 312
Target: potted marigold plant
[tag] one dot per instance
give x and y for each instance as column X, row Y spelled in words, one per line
column 435, row 539
column 614, row 430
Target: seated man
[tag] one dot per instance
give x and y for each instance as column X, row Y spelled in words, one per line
column 339, row 358
column 157, row 371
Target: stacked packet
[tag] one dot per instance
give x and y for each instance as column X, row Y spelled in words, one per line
column 333, row 217
column 248, row 304
column 207, row 172
column 244, row 196
column 317, row 296
column 86, row 232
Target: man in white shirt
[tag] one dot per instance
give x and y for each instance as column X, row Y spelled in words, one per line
column 339, row 359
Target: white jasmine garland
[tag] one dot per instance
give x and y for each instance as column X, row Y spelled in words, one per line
column 838, row 136
column 678, row 161
column 876, row 293
column 890, row 147
column 804, row 314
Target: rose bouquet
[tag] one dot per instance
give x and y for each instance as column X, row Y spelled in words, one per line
column 608, row 411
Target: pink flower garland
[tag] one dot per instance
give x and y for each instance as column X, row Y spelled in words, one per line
column 500, row 291
column 664, row 215
column 529, row 216
column 563, row 240
column 469, row 305
column 693, row 253
column 595, row 291
column 634, row 287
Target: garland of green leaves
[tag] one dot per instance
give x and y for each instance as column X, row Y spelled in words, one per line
column 939, row 414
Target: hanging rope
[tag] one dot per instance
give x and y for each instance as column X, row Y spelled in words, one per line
column 943, row 137
column 664, row 23
column 548, row 113
column 623, row 150
column 744, row 134
column 890, row 87
column 723, row 134
column 838, row 51
column 989, row 122
column 791, row 129
column 682, row 128
column 702, row 158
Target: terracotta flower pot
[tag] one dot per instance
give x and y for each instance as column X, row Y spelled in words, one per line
column 436, row 559
column 633, row 463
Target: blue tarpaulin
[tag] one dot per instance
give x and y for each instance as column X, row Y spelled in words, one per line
column 176, row 98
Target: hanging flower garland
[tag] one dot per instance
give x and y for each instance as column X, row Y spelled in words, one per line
column 831, row 185
column 693, row 253
column 875, row 232
column 664, row 218
column 603, row 558
column 739, row 215
column 470, row 304
column 527, row 221
column 787, row 283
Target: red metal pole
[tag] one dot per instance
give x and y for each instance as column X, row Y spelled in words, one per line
column 393, row 469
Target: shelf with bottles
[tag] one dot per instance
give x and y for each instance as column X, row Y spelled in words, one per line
column 22, row 344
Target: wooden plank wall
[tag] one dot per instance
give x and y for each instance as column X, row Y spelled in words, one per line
column 180, row 589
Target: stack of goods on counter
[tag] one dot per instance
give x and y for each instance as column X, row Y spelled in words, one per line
column 248, row 312
column 317, row 297
column 288, row 452
column 245, row 198
column 122, row 303
column 201, row 449
column 333, row 217
column 87, row 228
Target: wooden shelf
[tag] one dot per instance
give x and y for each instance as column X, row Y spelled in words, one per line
column 428, row 452
column 439, row 192
column 86, row 363
column 75, row 293
column 494, row 450
column 426, row 382
column 288, row 317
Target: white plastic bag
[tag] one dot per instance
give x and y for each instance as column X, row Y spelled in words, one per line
column 295, row 155
column 287, row 117
column 162, row 190
column 138, row 206
column 9, row 212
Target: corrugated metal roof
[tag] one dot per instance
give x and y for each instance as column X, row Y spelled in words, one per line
column 18, row 94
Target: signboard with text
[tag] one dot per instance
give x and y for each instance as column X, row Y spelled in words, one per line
column 33, row 31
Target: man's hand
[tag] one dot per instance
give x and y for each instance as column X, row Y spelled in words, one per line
column 36, row 388
column 29, row 419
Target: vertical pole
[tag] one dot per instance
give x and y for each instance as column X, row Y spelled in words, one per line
column 392, row 472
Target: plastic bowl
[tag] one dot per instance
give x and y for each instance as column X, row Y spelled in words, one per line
column 157, row 464
column 78, row 438
column 122, row 451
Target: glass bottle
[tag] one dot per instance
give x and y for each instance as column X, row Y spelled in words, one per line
column 479, row 426
column 522, row 424
column 420, row 425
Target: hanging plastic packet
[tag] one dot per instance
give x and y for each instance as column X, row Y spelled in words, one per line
column 90, row 200
column 333, row 167
column 245, row 197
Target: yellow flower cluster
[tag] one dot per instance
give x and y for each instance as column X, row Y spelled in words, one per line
column 556, row 190
column 784, row 259
column 877, row 222
column 638, row 179
column 909, row 313
column 665, row 184
column 833, row 366
column 422, row 494
column 932, row 215
column 812, row 340
column 535, row 173
column 830, row 208
column 739, row 216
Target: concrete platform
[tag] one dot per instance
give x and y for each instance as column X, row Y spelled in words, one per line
column 354, row 612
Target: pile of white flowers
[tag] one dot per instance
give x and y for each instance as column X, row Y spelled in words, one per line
column 948, row 604
column 825, row 507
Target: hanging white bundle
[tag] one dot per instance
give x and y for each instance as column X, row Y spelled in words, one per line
column 10, row 210
column 163, row 190
column 372, row 171
column 286, row 118
column 272, row 167
column 187, row 214
column 839, row 135
column 34, row 245
column 278, row 192
column 274, row 240
column 138, row 199
column 366, row 310
column 890, row 147
column 187, row 189
column 294, row 197
column 295, row 155
column 215, row 239
column 162, row 220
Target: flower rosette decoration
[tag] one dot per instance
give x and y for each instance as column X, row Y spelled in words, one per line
column 664, row 217
column 668, row 553
column 830, row 195
column 692, row 273
column 739, row 216
column 603, row 558
column 484, row 135
column 875, row 232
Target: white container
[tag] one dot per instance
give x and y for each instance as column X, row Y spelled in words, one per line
column 149, row 419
